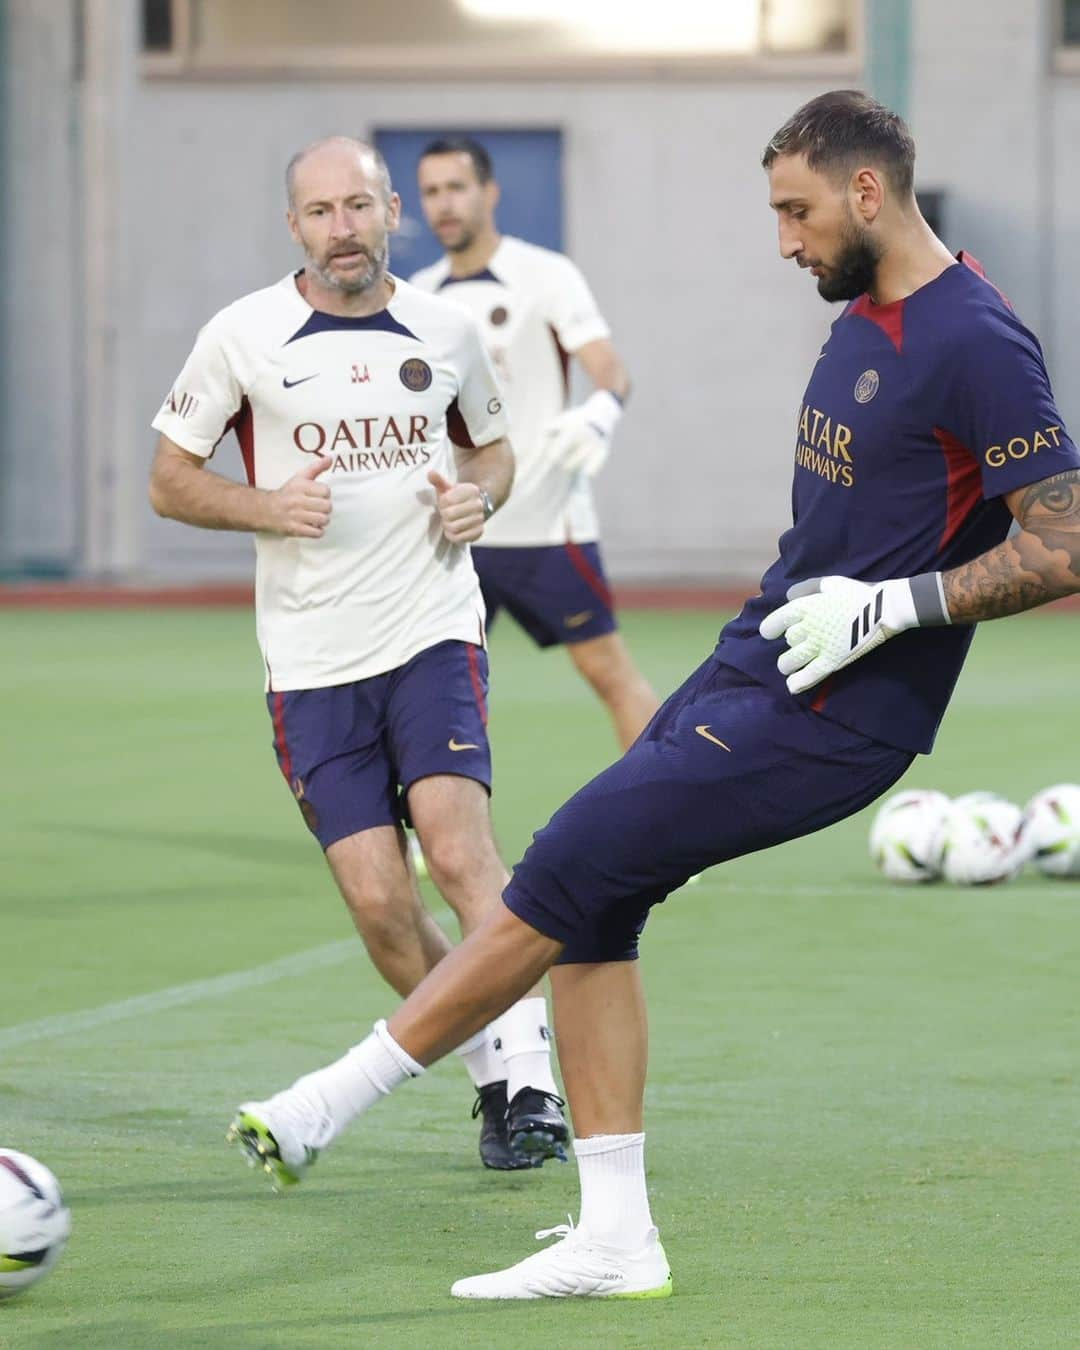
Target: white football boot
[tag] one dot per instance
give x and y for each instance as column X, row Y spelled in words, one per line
column 283, row 1136
column 577, row 1268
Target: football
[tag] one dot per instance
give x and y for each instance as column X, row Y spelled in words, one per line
column 1052, row 830
column 34, row 1222
column 983, row 843
column 908, row 834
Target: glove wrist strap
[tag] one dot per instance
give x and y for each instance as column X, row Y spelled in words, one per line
column 928, row 595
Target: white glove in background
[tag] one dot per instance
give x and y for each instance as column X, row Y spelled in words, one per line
column 580, row 438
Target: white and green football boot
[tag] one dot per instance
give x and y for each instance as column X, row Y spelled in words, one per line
column 283, row 1136
column 575, row 1267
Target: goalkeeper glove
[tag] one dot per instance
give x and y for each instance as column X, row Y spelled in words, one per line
column 580, row 438
column 831, row 621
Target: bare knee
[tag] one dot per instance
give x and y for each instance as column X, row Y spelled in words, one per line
column 383, row 916
column 605, row 663
column 462, row 865
column 451, row 859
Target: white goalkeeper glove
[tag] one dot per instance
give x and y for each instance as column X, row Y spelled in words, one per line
column 831, row 621
column 580, row 438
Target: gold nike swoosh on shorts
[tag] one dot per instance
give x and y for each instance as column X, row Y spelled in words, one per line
column 703, row 730
column 576, row 620
column 458, row 745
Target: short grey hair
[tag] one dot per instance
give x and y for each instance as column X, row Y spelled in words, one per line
column 382, row 173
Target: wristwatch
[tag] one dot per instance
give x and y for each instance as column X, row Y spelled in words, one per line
column 487, row 503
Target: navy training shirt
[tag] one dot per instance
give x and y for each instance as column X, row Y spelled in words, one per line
column 918, row 417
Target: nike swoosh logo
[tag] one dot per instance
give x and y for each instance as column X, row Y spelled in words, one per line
column 703, row 730
column 458, row 745
column 576, row 620
column 291, row 384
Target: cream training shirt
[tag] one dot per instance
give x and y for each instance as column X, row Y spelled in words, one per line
column 535, row 310
column 382, row 396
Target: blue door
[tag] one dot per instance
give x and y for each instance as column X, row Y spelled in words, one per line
column 528, row 165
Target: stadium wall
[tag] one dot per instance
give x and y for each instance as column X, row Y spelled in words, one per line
column 666, row 212
column 40, row 460
column 667, row 215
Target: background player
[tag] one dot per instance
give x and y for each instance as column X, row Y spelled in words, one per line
column 540, row 560
column 346, row 388
column 928, row 425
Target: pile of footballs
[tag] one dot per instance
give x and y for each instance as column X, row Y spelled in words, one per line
column 978, row 839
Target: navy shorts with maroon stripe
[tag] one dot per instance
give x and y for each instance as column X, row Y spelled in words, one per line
column 350, row 752
column 725, row 767
column 557, row 592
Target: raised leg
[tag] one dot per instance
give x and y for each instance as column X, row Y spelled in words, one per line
column 496, row 965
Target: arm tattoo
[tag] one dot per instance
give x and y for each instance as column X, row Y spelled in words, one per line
column 1040, row 563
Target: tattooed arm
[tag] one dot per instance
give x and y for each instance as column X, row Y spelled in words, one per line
column 1040, row 563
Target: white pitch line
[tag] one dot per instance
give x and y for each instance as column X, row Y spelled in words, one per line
column 64, row 1024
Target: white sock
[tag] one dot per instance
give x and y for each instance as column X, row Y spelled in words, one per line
column 361, row 1077
column 521, row 1036
column 614, row 1199
column 481, row 1059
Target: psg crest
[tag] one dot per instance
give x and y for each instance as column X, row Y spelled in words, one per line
column 415, row 375
column 866, row 386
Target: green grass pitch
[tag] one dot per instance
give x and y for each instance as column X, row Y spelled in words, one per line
column 863, row 1102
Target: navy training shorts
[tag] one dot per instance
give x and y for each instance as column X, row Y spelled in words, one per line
column 350, row 752
column 557, row 592
column 725, row 767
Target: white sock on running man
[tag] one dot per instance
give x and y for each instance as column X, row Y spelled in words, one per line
column 481, row 1059
column 521, row 1036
